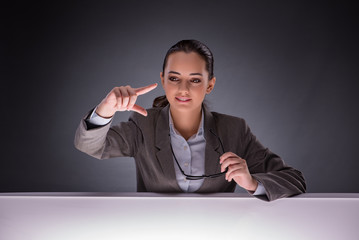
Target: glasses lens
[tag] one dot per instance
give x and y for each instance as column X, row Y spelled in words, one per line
column 188, row 177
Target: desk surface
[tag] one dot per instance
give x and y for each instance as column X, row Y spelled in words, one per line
column 176, row 216
column 167, row 195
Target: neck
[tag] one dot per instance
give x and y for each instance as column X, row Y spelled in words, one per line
column 186, row 123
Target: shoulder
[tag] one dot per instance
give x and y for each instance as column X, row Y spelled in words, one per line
column 231, row 127
column 225, row 120
column 228, row 124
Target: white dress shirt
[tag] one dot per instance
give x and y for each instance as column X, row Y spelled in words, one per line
column 190, row 155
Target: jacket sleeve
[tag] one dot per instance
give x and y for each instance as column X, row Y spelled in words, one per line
column 278, row 179
column 107, row 141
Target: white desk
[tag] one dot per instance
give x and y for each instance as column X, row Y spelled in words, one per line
column 107, row 216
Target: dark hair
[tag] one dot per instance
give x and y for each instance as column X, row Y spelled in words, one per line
column 187, row 46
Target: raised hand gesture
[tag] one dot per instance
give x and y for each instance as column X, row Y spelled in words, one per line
column 123, row 99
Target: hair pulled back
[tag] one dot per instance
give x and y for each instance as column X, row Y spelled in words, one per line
column 187, row 46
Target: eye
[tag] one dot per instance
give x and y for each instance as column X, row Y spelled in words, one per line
column 196, row 80
column 173, row 79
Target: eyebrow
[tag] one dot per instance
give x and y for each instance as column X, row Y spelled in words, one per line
column 189, row 74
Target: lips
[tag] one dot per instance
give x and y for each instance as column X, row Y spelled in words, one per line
column 183, row 99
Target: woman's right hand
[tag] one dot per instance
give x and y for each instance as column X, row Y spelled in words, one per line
column 123, row 99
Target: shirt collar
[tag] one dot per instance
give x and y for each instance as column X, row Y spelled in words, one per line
column 174, row 131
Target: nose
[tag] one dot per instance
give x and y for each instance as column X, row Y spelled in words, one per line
column 183, row 86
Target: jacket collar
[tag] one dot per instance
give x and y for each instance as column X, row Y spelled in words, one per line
column 164, row 154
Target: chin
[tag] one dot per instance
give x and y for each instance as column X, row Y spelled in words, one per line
column 184, row 107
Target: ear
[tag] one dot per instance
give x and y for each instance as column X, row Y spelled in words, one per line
column 210, row 86
column 162, row 78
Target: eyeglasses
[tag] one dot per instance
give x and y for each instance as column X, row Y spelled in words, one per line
column 191, row 177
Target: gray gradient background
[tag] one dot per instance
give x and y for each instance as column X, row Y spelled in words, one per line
column 290, row 68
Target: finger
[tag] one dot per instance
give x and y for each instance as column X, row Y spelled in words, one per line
column 132, row 100
column 230, row 161
column 242, row 166
column 143, row 90
column 118, row 96
column 230, row 169
column 235, row 173
column 233, row 167
column 125, row 98
column 139, row 109
column 226, row 155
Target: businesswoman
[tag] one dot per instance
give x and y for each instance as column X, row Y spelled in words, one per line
column 178, row 144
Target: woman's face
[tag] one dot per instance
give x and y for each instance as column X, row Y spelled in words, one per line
column 185, row 81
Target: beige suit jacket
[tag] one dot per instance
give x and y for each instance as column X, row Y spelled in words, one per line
column 147, row 139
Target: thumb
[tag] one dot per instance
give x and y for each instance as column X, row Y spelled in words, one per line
column 139, row 110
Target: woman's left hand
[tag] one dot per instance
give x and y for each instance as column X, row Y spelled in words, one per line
column 238, row 171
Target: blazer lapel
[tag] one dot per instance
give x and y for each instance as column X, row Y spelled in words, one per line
column 213, row 150
column 164, row 153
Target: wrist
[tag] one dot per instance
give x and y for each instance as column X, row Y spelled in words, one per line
column 253, row 185
column 102, row 113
